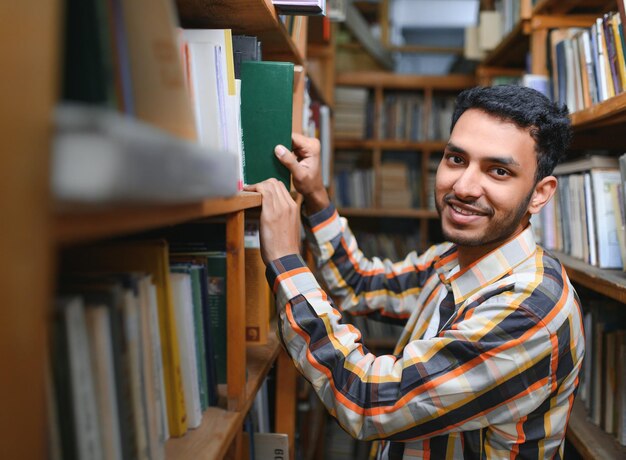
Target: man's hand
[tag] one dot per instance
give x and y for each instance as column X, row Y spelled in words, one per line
column 280, row 220
column 305, row 168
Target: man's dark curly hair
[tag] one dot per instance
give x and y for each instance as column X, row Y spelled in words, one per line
column 548, row 123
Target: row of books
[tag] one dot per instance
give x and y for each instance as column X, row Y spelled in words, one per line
column 139, row 341
column 603, row 377
column 353, row 111
column 585, row 218
column 402, row 116
column 588, row 65
column 353, row 179
column 201, row 86
column 400, row 175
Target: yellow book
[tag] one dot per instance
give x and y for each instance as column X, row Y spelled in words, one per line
column 151, row 257
column 621, row 62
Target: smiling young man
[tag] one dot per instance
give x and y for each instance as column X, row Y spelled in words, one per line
column 487, row 365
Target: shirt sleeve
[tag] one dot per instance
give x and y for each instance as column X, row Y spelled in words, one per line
column 494, row 364
column 361, row 285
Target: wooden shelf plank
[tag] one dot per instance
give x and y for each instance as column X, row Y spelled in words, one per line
column 244, row 17
column 606, row 113
column 77, row 224
column 219, row 426
column 379, row 212
column 577, row 7
column 611, row 283
column 590, row 441
column 370, row 144
column 388, row 80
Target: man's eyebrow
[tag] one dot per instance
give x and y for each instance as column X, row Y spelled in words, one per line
column 454, row 148
column 503, row 160
column 506, row 161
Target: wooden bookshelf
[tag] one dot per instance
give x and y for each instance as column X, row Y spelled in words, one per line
column 220, row 426
column 606, row 113
column 558, row 7
column 245, row 17
column 77, row 224
column 28, row 88
column 407, row 82
column 386, row 212
column 37, row 230
column 589, row 440
column 610, row 283
column 370, row 144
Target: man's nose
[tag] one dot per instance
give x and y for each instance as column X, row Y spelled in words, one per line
column 467, row 185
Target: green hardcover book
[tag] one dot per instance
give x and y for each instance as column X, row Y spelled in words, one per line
column 266, row 110
column 216, row 275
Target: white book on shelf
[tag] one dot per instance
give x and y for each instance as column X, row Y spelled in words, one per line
column 101, row 349
column 225, row 74
column 83, row 392
column 101, row 156
column 240, row 155
column 207, row 93
column 601, row 58
column 132, row 334
column 589, row 66
column 183, row 307
column 157, row 362
column 151, row 397
column 591, row 223
column 606, row 231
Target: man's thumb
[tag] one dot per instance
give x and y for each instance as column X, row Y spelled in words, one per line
column 286, row 157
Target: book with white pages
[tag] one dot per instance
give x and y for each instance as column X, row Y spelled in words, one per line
column 183, row 307
column 101, row 349
column 82, row 387
column 207, row 93
column 606, row 231
column 225, row 72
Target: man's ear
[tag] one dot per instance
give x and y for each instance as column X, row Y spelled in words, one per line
column 544, row 190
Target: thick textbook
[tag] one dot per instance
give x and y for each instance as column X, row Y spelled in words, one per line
column 266, row 112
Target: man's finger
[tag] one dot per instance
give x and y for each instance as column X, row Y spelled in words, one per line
column 251, row 188
column 286, row 158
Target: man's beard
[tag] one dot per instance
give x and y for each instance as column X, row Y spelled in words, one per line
column 497, row 230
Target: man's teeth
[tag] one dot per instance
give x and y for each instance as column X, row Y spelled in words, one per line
column 465, row 212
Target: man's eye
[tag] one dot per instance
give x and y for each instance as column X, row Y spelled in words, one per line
column 455, row 159
column 501, row 172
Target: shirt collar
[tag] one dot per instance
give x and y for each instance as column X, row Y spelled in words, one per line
column 488, row 268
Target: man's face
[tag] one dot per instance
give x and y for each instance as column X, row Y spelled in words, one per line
column 485, row 181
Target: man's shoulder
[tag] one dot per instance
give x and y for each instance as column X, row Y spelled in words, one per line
column 544, row 287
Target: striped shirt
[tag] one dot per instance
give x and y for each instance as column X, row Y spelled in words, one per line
column 498, row 378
